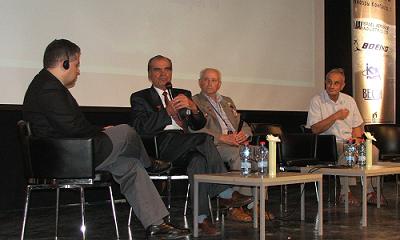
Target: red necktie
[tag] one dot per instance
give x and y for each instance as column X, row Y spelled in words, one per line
column 176, row 116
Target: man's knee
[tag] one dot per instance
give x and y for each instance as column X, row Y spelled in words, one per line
column 202, row 138
column 196, row 160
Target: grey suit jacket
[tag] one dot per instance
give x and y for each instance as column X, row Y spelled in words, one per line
column 212, row 126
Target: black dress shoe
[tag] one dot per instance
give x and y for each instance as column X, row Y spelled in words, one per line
column 166, row 231
column 158, row 167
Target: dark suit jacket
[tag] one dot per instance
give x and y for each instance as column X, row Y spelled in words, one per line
column 53, row 112
column 149, row 117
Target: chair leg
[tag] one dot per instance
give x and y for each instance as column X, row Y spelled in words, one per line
column 169, row 191
column 329, row 189
column 28, row 194
column 316, row 191
column 113, row 210
column 83, row 227
column 186, row 200
column 285, row 193
column 210, row 209
column 57, row 209
column 130, row 216
column 397, row 186
column 335, row 193
column 218, row 209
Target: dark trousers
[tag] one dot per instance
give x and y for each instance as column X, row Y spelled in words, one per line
column 198, row 152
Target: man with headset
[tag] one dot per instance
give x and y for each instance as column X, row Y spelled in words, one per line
column 53, row 112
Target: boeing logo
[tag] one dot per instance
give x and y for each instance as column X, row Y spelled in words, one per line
column 370, row 46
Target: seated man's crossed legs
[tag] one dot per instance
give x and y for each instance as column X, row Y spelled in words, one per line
column 371, row 181
column 126, row 162
column 197, row 151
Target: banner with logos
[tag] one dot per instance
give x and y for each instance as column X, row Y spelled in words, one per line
column 374, row 59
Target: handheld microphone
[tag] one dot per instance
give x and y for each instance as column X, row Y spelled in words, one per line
column 168, row 86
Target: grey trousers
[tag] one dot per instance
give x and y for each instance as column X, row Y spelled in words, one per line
column 352, row 180
column 230, row 154
column 127, row 163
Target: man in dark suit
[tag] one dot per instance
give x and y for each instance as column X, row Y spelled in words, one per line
column 53, row 112
column 155, row 112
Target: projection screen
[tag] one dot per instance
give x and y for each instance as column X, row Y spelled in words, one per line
column 270, row 52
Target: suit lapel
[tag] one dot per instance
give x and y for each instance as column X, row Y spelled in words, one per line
column 213, row 119
column 154, row 99
column 230, row 112
column 207, row 105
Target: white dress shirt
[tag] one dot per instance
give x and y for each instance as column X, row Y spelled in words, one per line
column 174, row 125
column 321, row 107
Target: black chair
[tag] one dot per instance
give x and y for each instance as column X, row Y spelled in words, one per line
column 326, row 150
column 327, row 155
column 304, row 129
column 387, row 140
column 260, row 132
column 298, row 150
column 60, row 163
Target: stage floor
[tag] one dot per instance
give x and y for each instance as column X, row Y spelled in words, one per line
column 383, row 223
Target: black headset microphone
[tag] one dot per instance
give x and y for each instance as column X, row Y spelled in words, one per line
column 66, row 62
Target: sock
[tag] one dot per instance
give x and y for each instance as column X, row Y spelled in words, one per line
column 370, row 189
column 343, row 190
column 226, row 194
column 201, row 218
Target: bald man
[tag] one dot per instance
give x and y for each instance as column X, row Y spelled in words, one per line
column 335, row 113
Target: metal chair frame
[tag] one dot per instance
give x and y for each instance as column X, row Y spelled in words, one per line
column 43, row 183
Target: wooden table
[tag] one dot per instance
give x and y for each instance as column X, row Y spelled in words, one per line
column 261, row 182
column 375, row 170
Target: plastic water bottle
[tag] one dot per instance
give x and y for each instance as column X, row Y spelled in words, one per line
column 349, row 153
column 245, row 164
column 362, row 154
column 262, row 162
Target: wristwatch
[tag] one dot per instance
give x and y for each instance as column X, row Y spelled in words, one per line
column 189, row 112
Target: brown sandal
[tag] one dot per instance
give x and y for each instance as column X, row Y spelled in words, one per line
column 372, row 199
column 268, row 214
column 237, row 214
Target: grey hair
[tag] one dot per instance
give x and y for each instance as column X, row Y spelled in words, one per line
column 202, row 72
column 335, row 70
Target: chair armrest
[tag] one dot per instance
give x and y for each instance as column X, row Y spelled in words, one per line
column 62, row 158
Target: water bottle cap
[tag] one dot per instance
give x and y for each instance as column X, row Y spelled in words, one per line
column 262, row 142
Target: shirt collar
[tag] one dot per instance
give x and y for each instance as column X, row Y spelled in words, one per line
column 159, row 91
column 329, row 100
column 219, row 97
